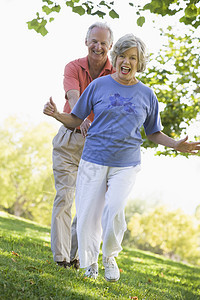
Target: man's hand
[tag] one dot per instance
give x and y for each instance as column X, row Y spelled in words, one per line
column 187, row 147
column 50, row 108
column 85, row 125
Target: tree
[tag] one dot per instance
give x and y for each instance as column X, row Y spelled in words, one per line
column 173, row 74
column 27, row 187
column 197, row 212
column 136, row 206
column 166, row 232
column 188, row 11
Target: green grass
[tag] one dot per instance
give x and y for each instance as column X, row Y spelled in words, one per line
column 28, row 271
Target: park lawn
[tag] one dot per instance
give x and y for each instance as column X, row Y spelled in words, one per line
column 28, row 271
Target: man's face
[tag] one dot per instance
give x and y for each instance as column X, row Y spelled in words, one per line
column 98, row 44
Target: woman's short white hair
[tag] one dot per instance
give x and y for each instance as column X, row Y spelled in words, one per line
column 100, row 25
column 126, row 42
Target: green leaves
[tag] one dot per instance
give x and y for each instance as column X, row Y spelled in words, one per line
column 173, row 75
column 166, row 232
column 101, row 8
column 99, row 13
column 140, row 21
column 38, row 26
column 46, row 9
column 25, row 167
column 90, row 8
column 113, row 14
column 79, row 10
column 191, row 11
column 48, row 1
column 70, row 3
column 161, row 7
column 190, row 15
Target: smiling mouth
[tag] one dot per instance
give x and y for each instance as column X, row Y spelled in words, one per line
column 125, row 70
column 98, row 52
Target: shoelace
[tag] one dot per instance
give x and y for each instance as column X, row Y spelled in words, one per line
column 110, row 262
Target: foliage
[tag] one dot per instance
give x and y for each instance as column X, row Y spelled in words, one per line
column 188, row 11
column 173, row 74
column 139, row 206
column 197, row 212
column 28, row 271
column 167, row 232
column 27, row 187
column 136, row 206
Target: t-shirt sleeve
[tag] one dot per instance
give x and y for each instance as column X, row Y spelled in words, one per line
column 71, row 77
column 84, row 105
column 152, row 123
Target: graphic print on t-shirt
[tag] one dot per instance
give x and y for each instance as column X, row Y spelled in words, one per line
column 116, row 100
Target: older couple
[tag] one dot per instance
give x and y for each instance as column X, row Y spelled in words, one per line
column 111, row 156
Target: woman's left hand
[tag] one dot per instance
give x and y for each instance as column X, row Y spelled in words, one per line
column 187, row 147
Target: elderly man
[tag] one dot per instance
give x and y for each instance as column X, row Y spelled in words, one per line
column 68, row 143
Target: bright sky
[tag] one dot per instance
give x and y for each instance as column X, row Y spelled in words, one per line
column 32, row 70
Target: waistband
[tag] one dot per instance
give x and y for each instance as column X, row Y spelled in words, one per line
column 75, row 130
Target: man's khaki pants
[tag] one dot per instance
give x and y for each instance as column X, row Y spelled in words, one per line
column 67, row 150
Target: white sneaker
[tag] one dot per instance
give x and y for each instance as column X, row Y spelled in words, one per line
column 111, row 269
column 92, row 271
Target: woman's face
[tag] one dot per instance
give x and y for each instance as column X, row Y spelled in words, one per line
column 126, row 67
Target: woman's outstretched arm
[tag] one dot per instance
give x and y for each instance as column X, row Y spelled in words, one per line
column 69, row 120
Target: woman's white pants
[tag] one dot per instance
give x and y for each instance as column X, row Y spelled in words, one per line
column 101, row 196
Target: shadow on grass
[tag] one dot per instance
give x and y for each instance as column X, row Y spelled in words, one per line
column 151, row 258
column 161, row 275
column 20, row 225
column 23, row 228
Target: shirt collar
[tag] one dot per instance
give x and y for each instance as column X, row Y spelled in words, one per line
column 83, row 62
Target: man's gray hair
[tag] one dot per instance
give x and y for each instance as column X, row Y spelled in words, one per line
column 100, row 25
column 126, row 42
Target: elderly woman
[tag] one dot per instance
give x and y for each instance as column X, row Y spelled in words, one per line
column 111, row 155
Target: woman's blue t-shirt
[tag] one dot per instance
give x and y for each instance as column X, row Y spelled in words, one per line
column 114, row 137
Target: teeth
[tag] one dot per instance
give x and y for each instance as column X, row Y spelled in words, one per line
column 125, row 70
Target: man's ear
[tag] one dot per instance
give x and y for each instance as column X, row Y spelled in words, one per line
column 86, row 42
column 110, row 46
